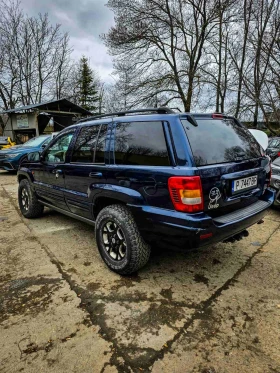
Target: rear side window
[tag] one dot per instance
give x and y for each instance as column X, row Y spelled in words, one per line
column 90, row 145
column 140, row 143
column 218, row 141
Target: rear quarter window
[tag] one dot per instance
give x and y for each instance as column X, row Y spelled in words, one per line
column 141, row 143
column 216, row 141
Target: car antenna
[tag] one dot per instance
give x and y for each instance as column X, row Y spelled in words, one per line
column 191, row 119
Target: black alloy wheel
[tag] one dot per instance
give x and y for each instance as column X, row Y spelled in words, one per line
column 114, row 240
column 24, row 199
column 29, row 205
column 119, row 240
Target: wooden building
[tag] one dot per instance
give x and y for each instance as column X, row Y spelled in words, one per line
column 25, row 122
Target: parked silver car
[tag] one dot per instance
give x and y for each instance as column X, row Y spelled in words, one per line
column 275, row 180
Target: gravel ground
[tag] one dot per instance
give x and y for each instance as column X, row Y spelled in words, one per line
column 215, row 310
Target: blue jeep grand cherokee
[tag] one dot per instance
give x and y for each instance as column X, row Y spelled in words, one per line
column 150, row 175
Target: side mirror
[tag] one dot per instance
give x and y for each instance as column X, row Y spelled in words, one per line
column 34, row 157
column 261, row 138
column 43, row 146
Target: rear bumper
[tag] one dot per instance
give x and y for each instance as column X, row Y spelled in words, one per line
column 196, row 230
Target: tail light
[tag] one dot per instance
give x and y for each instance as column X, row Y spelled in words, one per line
column 278, row 154
column 217, row 116
column 186, row 193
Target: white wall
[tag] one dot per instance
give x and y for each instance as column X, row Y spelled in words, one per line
column 12, row 124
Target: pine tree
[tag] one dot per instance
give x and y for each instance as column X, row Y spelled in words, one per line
column 87, row 94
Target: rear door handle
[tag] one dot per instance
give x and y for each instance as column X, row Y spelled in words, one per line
column 95, row 174
column 57, row 173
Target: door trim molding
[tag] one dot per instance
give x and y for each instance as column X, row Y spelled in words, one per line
column 61, row 189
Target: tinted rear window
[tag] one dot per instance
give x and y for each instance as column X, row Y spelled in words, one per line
column 218, row 141
column 141, row 143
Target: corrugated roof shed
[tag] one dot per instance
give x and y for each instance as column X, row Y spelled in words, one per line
column 57, row 105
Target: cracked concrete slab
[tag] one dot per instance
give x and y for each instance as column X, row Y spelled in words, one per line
column 212, row 310
column 42, row 324
column 239, row 332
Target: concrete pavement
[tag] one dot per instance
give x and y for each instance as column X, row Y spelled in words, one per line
column 215, row 310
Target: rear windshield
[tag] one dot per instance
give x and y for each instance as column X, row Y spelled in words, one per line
column 218, row 141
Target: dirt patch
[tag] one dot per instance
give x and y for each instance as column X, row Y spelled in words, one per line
column 26, row 296
column 201, row 278
column 87, row 264
column 72, row 335
column 71, row 270
column 167, row 293
column 127, row 281
column 157, row 315
column 92, row 286
column 33, row 347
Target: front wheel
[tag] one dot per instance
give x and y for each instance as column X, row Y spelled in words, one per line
column 29, row 205
column 119, row 241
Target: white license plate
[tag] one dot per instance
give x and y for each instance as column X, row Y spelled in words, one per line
column 247, row 182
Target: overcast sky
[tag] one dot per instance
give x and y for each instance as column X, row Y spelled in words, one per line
column 84, row 20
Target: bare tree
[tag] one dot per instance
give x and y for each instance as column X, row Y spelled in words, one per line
column 271, row 99
column 214, row 54
column 262, row 37
column 163, row 40
column 238, row 49
column 219, row 70
column 10, row 20
column 35, row 57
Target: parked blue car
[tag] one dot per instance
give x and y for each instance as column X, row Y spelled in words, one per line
column 11, row 158
column 151, row 176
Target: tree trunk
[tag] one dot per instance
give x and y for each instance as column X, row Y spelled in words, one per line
column 188, row 101
column 218, row 93
column 256, row 112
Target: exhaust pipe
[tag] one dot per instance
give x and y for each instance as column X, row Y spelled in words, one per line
column 237, row 237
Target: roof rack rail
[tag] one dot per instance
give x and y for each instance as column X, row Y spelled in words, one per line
column 160, row 110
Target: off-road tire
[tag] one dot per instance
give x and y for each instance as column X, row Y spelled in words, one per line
column 35, row 208
column 137, row 250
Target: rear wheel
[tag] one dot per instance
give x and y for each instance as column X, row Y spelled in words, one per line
column 29, row 205
column 119, row 241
